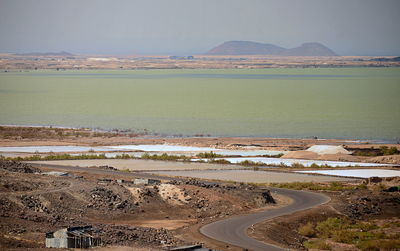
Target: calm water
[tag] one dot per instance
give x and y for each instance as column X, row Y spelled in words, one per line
column 362, row 103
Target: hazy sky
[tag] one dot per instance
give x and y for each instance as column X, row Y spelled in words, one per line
column 349, row 27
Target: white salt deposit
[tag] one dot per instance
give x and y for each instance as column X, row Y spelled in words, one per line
column 162, row 148
column 328, row 149
column 358, row 173
column 55, row 149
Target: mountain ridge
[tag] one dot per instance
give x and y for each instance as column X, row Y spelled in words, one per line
column 256, row 48
column 61, row 53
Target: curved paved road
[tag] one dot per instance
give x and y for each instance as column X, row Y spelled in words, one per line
column 233, row 230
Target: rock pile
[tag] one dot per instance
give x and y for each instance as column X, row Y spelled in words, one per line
column 124, row 235
column 107, row 167
column 103, row 197
column 371, row 204
column 263, row 198
column 19, row 167
column 33, row 203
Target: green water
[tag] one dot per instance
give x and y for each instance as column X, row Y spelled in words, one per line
column 361, row 103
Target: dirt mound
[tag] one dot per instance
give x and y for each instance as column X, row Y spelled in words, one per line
column 370, row 204
column 19, row 167
column 173, row 194
column 34, row 203
column 386, row 181
column 316, row 156
column 328, row 152
column 300, row 155
column 104, row 197
column 389, row 159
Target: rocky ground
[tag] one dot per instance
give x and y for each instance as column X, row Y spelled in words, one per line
column 122, row 214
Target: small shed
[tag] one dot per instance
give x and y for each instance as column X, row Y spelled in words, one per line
column 146, row 182
column 72, row 237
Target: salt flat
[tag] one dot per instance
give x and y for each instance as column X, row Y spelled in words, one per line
column 138, row 164
column 251, row 176
column 307, row 163
column 359, row 173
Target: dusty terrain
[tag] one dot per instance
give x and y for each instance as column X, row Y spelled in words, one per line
column 11, row 62
column 122, row 214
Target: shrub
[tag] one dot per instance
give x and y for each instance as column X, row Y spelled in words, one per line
column 163, row 156
column 344, row 236
column 307, row 230
column 389, row 150
column 297, row 165
column 123, row 156
column 372, row 245
column 273, row 155
column 327, row 227
column 209, row 155
column 219, row 161
column 316, row 244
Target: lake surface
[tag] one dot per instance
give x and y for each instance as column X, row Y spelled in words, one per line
column 356, row 103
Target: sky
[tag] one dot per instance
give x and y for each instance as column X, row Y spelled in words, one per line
column 183, row 27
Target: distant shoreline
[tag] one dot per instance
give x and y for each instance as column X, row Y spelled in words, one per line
column 99, row 62
column 203, row 136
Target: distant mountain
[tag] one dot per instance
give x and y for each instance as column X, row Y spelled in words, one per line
column 61, row 53
column 245, row 48
column 254, row 48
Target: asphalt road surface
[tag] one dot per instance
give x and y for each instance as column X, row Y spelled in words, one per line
column 233, row 230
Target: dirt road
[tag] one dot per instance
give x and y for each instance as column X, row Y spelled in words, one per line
column 233, row 230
